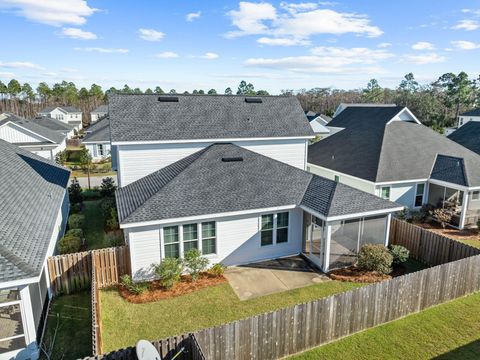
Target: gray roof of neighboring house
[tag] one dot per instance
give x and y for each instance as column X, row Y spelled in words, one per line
column 67, row 109
column 98, row 132
column 365, row 116
column 203, row 183
column 145, row 118
column 101, row 109
column 32, row 125
column 450, row 169
column 369, row 149
column 32, row 190
column 474, row 112
column 468, row 135
column 53, row 124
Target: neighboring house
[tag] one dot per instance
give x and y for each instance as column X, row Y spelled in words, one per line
column 98, row 113
column 472, row 115
column 34, row 210
column 318, row 122
column 56, row 125
column 385, row 150
column 66, row 114
column 32, row 136
column 97, row 139
column 215, row 173
column 468, row 136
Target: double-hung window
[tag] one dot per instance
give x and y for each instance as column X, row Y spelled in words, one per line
column 385, row 192
column 190, row 237
column 419, row 195
column 171, row 241
column 208, row 238
column 274, row 228
column 266, row 230
column 282, row 227
column 100, row 149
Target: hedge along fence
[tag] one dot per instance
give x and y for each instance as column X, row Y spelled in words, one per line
column 426, row 246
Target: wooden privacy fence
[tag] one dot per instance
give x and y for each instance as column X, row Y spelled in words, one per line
column 427, row 246
column 73, row 272
column 96, row 318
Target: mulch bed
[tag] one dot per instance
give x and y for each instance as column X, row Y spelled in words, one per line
column 156, row 292
column 465, row 234
column 354, row 274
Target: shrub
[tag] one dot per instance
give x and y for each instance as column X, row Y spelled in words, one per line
column 76, row 221
column 111, row 223
column 400, row 253
column 75, row 192
column 402, row 214
column 195, row 263
column 114, row 238
column 75, row 208
column 169, row 271
column 375, row 257
column 416, row 216
column 106, row 206
column 69, row 244
column 107, row 188
column 217, row 269
column 135, row 288
column 75, row 232
column 91, row 194
column 61, row 157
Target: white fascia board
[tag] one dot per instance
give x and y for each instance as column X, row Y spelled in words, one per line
column 19, row 282
column 96, row 142
column 453, row 186
column 207, row 216
column 405, row 109
column 340, row 173
column 353, row 215
column 209, row 140
column 383, row 183
column 29, row 131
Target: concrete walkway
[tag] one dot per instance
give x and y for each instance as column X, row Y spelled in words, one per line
column 94, row 180
column 273, row 276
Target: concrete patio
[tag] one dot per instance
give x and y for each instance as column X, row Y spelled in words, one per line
column 273, row 276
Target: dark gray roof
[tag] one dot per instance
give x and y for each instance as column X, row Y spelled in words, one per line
column 474, row 112
column 395, row 152
column 468, row 135
column 53, row 124
column 450, row 169
column 365, row 116
column 203, row 183
column 144, row 118
column 32, row 190
column 99, row 131
column 101, row 109
column 32, row 125
column 68, row 109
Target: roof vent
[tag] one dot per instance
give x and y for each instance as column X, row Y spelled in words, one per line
column 168, row 98
column 232, row 159
column 253, row 100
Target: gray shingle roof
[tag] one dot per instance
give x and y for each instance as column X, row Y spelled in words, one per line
column 450, row 169
column 203, row 183
column 101, row 109
column 474, row 112
column 32, row 190
column 53, row 124
column 144, row 118
column 68, row 109
column 468, row 135
column 99, row 131
column 32, row 125
column 365, row 116
column 395, row 152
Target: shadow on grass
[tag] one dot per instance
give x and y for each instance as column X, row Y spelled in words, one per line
column 465, row 352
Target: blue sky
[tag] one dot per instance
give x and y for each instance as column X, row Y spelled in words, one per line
column 214, row 44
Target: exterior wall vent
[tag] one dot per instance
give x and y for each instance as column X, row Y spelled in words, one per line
column 168, row 98
column 253, row 100
column 232, row 159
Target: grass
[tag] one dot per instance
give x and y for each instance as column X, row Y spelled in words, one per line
column 74, row 334
column 124, row 323
column 447, row 331
column 94, row 233
column 474, row 243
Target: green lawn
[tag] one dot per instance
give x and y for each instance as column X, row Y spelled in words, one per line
column 474, row 243
column 124, row 323
column 74, row 334
column 447, row 331
column 94, row 233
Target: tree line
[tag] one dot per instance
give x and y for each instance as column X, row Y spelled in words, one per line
column 436, row 104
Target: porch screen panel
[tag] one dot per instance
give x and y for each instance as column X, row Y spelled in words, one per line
column 374, row 230
column 344, row 243
column 11, row 327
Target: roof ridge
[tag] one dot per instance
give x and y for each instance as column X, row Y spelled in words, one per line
column 381, row 155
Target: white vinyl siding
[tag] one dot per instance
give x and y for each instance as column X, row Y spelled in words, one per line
column 157, row 156
column 15, row 134
column 145, row 250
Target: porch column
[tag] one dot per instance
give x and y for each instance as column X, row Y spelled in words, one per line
column 463, row 215
column 387, row 228
column 328, row 239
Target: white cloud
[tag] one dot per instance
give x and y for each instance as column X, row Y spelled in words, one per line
column 51, row 12
column 20, row 65
column 325, row 59
column 282, row 41
column 422, row 59
column 167, row 55
column 7, row 74
column 472, row 11
column 103, row 50
column 423, row 45
column 69, row 70
column 209, row 56
column 464, row 45
column 467, row 25
column 75, row 33
column 192, row 16
column 384, row 45
column 150, row 34
column 296, row 21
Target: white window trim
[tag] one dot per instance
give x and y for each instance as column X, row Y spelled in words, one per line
column 416, row 194
column 478, row 195
column 389, row 192
column 274, row 229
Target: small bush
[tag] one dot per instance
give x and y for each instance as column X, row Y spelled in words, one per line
column 135, row 288
column 416, row 216
column 75, row 232
column 375, row 257
column 107, row 188
column 111, row 223
column 69, row 244
column 75, row 192
column 76, row 221
column 402, row 214
column 400, row 253
column 217, row 269
column 114, row 238
column 106, row 206
column 75, row 208
column 195, row 263
column 169, row 271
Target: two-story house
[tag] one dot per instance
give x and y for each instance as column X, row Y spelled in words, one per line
column 226, row 175
column 98, row 113
column 97, row 139
column 386, row 151
column 67, row 114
